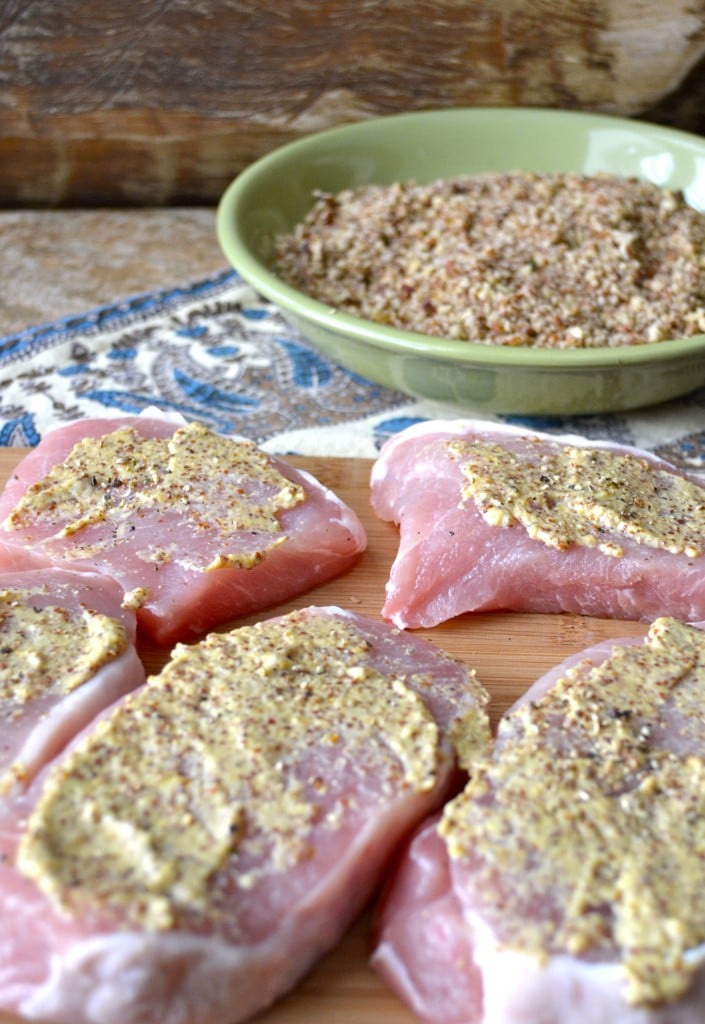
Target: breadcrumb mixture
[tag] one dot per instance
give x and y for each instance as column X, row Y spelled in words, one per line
column 524, row 259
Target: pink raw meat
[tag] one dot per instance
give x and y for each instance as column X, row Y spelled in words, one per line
column 439, row 941
column 34, row 732
column 323, row 538
column 221, row 962
column 451, row 561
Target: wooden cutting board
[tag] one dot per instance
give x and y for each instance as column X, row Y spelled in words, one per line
column 508, row 652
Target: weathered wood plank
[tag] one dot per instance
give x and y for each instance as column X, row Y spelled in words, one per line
column 156, row 102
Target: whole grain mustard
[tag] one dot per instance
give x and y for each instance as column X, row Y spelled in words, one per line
column 564, row 495
column 48, row 649
column 50, row 646
column 586, row 828
column 219, row 487
column 244, row 748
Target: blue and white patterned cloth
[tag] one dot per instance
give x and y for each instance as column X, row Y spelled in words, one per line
column 216, row 352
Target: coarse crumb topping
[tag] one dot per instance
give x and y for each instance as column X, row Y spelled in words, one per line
column 585, row 831
column 558, row 260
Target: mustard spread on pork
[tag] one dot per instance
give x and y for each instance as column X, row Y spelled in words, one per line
column 46, row 646
column 220, row 486
column 225, row 766
column 586, row 829
column 48, row 649
column 564, row 495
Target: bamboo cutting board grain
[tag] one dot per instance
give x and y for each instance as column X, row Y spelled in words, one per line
column 508, row 652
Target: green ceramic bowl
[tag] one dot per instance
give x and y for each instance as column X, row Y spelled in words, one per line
column 275, row 192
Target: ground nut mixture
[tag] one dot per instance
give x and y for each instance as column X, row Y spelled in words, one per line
column 542, row 260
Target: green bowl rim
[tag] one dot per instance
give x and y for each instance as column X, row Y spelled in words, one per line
column 401, row 342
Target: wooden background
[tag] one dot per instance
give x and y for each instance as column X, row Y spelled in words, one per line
column 164, row 101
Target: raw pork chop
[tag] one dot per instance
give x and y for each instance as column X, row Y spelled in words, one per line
column 190, row 858
column 578, row 526
column 566, row 884
column 196, row 528
column 66, row 652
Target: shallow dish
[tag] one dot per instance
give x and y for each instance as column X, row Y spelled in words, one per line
column 274, row 194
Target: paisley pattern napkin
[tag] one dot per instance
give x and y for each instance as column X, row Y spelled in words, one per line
column 215, row 351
